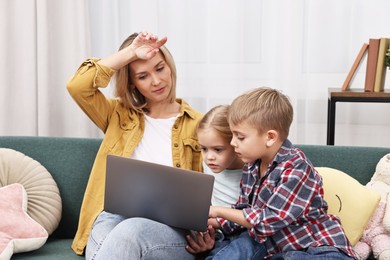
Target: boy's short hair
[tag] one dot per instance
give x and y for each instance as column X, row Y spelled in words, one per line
column 263, row 108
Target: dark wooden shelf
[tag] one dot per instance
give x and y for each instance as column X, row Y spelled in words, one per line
column 358, row 93
column 352, row 95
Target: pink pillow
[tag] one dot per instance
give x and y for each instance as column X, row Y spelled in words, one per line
column 18, row 231
column 44, row 199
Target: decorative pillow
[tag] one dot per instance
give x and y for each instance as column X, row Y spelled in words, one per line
column 352, row 202
column 44, row 200
column 18, row 231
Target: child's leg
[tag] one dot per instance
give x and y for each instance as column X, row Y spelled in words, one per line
column 314, row 253
column 238, row 247
column 221, row 241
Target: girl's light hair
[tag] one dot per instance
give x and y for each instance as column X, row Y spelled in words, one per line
column 216, row 118
column 263, row 108
column 128, row 94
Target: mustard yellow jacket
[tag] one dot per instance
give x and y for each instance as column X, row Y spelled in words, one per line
column 123, row 130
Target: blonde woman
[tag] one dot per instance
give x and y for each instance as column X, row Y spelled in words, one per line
column 145, row 121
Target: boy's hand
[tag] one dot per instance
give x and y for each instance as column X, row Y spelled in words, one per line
column 204, row 241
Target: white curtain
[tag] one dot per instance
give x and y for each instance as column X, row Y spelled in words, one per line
column 42, row 44
column 221, row 49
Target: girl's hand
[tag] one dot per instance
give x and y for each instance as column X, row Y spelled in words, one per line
column 212, row 213
column 214, row 223
column 201, row 242
column 146, row 45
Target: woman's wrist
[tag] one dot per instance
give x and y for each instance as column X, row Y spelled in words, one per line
column 119, row 59
column 131, row 53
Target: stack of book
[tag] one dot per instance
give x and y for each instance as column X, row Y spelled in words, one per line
column 376, row 68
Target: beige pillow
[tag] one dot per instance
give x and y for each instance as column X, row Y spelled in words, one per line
column 44, row 200
column 352, row 202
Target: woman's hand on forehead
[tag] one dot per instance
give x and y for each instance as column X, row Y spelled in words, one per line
column 146, row 45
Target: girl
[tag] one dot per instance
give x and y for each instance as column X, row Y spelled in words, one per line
column 220, row 160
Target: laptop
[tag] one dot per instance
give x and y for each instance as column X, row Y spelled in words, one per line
column 173, row 196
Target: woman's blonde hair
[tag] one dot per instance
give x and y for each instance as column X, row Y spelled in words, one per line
column 216, row 118
column 263, row 108
column 127, row 93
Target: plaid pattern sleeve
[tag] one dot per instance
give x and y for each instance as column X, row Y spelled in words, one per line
column 286, row 207
column 230, row 227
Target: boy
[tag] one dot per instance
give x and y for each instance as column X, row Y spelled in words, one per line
column 281, row 205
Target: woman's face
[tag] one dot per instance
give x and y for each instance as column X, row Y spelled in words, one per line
column 217, row 152
column 152, row 78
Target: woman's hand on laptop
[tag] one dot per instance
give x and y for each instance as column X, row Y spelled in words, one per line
column 201, row 242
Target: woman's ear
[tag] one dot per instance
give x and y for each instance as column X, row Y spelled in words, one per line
column 272, row 137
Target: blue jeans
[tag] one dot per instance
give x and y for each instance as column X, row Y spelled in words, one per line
column 313, row 253
column 116, row 237
column 239, row 247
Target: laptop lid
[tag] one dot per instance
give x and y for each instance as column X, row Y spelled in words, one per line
column 173, row 196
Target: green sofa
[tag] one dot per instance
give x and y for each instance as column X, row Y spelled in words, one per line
column 70, row 160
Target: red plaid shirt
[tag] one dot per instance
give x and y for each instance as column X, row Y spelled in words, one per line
column 286, row 207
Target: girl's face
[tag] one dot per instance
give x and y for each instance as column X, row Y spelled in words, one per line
column 217, row 152
column 152, row 78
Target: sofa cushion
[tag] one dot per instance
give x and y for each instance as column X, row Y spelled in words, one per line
column 18, row 231
column 53, row 249
column 44, row 200
column 352, row 202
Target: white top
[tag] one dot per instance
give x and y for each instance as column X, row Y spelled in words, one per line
column 156, row 143
column 226, row 186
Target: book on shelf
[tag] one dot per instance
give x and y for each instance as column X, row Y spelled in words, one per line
column 381, row 68
column 372, row 60
column 355, row 66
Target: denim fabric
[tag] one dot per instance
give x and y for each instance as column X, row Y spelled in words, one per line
column 237, row 247
column 115, row 237
column 313, row 253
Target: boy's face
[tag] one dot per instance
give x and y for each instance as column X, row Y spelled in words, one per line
column 217, row 152
column 248, row 143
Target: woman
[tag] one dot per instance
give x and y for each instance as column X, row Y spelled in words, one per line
column 145, row 122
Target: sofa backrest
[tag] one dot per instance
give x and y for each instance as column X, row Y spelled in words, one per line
column 69, row 161
column 357, row 161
